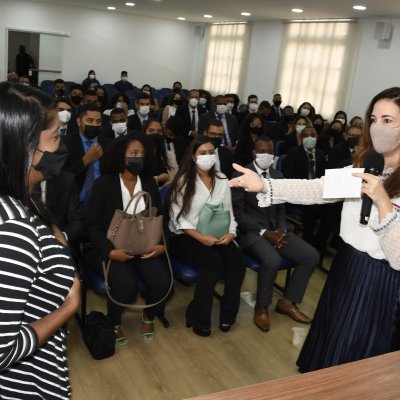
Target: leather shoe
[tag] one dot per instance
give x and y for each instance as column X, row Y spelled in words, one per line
column 261, row 318
column 293, row 312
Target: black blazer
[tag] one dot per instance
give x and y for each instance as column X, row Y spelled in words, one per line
column 225, row 161
column 339, row 156
column 74, row 163
column 274, row 116
column 250, row 217
column 296, row 165
column 180, row 146
column 62, row 201
column 106, row 197
column 183, row 113
column 134, row 123
column 231, row 123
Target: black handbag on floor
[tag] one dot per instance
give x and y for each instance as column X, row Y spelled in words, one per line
column 99, row 335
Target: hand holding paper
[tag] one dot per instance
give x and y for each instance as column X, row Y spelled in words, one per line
column 341, row 184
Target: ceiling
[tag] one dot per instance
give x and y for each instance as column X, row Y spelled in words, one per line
column 230, row 10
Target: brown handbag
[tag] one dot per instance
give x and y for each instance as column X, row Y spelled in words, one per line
column 137, row 233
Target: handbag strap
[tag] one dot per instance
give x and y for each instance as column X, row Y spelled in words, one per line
column 106, row 269
column 148, row 201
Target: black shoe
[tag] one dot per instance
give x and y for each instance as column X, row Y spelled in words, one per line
column 197, row 331
column 225, row 327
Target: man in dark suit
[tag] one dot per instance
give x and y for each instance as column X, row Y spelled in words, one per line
column 117, row 124
column 173, row 138
column 263, row 235
column 85, row 148
column 308, row 162
column 276, row 111
column 136, row 121
column 190, row 114
column 123, row 85
column 215, row 131
column 229, row 122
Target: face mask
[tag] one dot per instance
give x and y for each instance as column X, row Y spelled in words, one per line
column 253, row 107
column 288, row 117
column 202, row 101
column 176, row 90
column 135, row 165
column 60, row 92
column 100, row 98
column 193, row 102
column 309, row 142
column 216, row 141
column 50, row 164
column 299, row 128
column 119, row 104
column 256, row 130
column 305, row 112
column 352, row 141
column 264, row 160
column 343, row 121
column 229, row 107
column 334, row 133
column 384, row 139
column 91, row 131
column 277, row 103
column 318, row 128
column 221, row 109
column 92, row 76
column 119, row 128
column 206, row 161
column 177, row 102
column 147, row 92
column 124, row 78
column 76, row 99
column 144, row 110
column 64, row 116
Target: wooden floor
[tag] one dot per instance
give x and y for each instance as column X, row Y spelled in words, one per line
column 178, row 364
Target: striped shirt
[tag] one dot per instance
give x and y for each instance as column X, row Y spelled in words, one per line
column 36, row 274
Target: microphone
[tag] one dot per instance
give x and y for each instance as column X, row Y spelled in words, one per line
column 373, row 165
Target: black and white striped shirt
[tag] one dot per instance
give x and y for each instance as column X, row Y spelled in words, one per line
column 36, row 274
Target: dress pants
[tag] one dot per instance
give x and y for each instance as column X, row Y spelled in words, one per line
column 214, row 263
column 305, row 257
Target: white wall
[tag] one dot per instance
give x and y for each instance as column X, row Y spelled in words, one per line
column 152, row 50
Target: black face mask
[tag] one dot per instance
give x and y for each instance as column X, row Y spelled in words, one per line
column 277, row 103
column 60, row 92
column 135, row 165
column 50, row 164
column 76, row 99
column 100, row 98
column 177, row 102
column 176, row 90
column 216, row 141
column 335, row 133
column 288, row 117
column 257, row 130
column 170, row 139
column 318, row 128
column 352, row 141
column 91, row 131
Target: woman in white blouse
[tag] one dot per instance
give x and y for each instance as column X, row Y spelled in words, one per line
column 129, row 162
column 196, row 184
column 355, row 315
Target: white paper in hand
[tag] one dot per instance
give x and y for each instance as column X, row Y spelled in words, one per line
column 341, row 184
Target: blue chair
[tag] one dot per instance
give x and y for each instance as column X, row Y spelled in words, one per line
column 280, row 148
column 47, row 86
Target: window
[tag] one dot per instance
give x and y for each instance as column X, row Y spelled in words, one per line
column 316, row 64
column 225, row 57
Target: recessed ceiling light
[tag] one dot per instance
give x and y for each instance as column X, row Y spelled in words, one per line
column 130, row 4
column 245, row 14
column 359, row 7
column 297, row 10
column 111, row 8
column 207, row 16
column 181, row 18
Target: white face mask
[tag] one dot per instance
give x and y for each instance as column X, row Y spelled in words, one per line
column 144, row 110
column 264, row 160
column 119, row 105
column 193, row 102
column 147, row 92
column 119, row 128
column 124, row 78
column 341, row 120
column 384, row 139
column 229, row 107
column 305, row 112
column 309, row 142
column 202, row 101
column 221, row 109
column 253, row 107
column 206, row 161
column 64, row 116
column 92, row 76
column 299, row 128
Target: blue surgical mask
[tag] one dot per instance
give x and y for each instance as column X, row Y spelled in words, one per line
column 309, row 142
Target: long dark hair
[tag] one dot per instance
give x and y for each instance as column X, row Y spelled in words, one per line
column 24, row 113
column 185, row 179
column 392, row 183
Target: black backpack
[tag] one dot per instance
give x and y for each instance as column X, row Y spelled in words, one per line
column 99, row 335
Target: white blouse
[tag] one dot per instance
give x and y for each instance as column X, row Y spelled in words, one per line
column 380, row 239
column 220, row 194
column 126, row 196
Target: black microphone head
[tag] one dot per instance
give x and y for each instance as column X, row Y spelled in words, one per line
column 374, row 162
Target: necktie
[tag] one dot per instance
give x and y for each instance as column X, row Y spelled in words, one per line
column 168, row 145
column 89, row 175
column 227, row 139
column 311, row 164
column 63, row 131
column 264, row 174
column 193, row 125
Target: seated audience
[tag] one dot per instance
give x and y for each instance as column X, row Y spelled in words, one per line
column 276, row 111
column 64, row 109
column 90, row 82
column 357, row 121
column 169, row 110
column 292, row 139
column 319, row 125
column 59, row 88
column 173, row 137
column 205, row 99
column 342, row 117
column 117, row 124
column 250, row 108
column 76, row 97
column 176, row 88
column 263, row 235
column 143, row 113
column 306, row 110
column 146, row 88
column 129, row 166
column 102, row 98
column 332, row 137
column 196, row 184
column 123, row 84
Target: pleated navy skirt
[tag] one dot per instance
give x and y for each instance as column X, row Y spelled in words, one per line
column 355, row 314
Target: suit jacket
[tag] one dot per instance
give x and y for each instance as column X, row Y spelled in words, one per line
column 62, row 201
column 225, row 161
column 135, row 124
column 339, row 156
column 296, row 165
column 183, row 113
column 74, row 163
column 231, row 123
column 273, row 116
column 180, row 146
column 105, row 198
column 251, row 218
